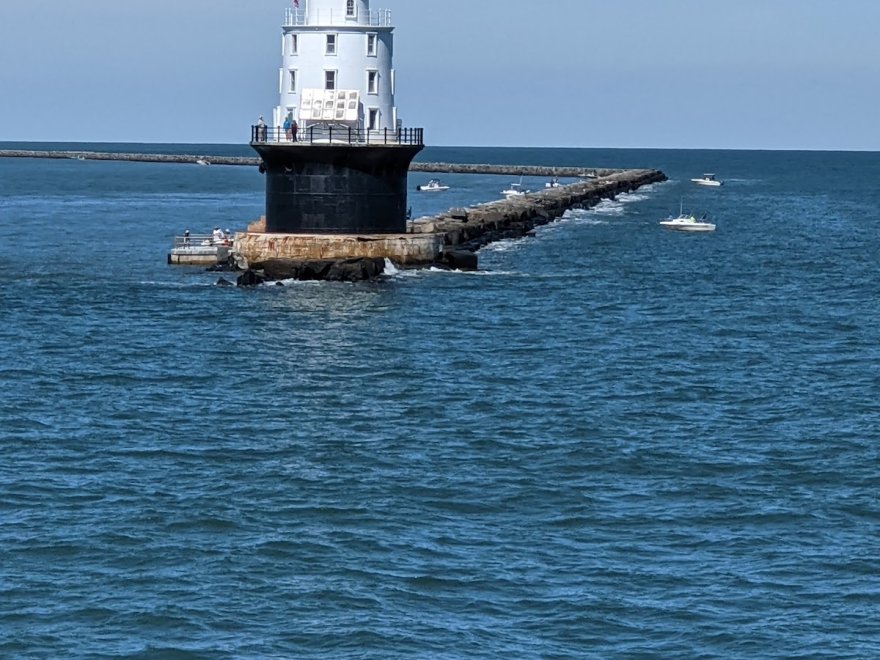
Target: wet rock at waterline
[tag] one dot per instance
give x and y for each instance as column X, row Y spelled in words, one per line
column 329, row 270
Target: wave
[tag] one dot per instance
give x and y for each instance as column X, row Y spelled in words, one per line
column 581, row 217
column 628, row 198
column 178, row 285
column 505, row 245
column 608, row 207
column 477, row 273
column 291, row 282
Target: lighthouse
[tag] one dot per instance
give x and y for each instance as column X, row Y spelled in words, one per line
column 335, row 153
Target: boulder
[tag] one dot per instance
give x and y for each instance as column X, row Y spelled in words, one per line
column 459, row 214
column 250, row 277
column 460, row 260
column 332, row 270
column 355, row 270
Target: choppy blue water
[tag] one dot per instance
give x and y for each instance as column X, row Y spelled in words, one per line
column 614, row 441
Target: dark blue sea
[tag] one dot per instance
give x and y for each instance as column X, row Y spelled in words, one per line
column 613, row 441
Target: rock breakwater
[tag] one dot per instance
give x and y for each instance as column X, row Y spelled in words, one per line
column 474, row 227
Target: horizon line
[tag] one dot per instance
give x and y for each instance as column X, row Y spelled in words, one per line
column 458, row 146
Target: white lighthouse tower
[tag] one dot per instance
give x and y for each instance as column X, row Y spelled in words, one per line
column 342, row 167
column 337, row 53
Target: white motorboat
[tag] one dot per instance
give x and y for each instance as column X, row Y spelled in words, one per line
column 554, row 183
column 433, row 185
column 688, row 222
column 708, row 180
column 515, row 190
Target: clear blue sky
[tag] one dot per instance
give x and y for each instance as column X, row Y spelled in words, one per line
column 752, row 74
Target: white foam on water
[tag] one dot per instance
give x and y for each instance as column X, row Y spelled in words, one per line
column 477, row 273
column 608, row 207
column 580, row 217
column 405, row 273
column 390, row 269
column 652, row 187
column 505, row 245
column 292, row 282
column 178, row 285
column 590, row 221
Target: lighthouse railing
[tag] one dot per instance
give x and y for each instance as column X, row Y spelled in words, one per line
column 335, row 17
column 330, row 134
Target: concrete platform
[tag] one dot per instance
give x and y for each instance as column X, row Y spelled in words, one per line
column 402, row 249
column 199, row 255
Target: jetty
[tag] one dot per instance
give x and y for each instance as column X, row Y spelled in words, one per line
column 248, row 161
column 472, row 228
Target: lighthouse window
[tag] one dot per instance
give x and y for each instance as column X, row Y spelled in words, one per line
column 374, row 119
column 331, row 44
column 293, row 45
column 292, row 78
column 371, row 45
column 372, row 82
column 349, row 8
column 329, row 80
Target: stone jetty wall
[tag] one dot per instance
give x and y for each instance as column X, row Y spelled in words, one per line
column 471, row 228
column 512, row 170
column 132, row 157
column 190, row 159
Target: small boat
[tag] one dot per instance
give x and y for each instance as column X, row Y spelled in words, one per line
column 688, row 222
column 554, row 183
column 708, row 180
column 202, row 161
column 433, row 185
column 515, row 190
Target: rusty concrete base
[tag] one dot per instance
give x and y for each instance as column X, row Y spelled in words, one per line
column 402, row 249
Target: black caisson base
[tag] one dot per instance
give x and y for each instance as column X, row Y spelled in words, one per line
column 336, row 189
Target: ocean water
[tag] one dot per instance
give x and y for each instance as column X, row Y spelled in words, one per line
column 613, row 441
